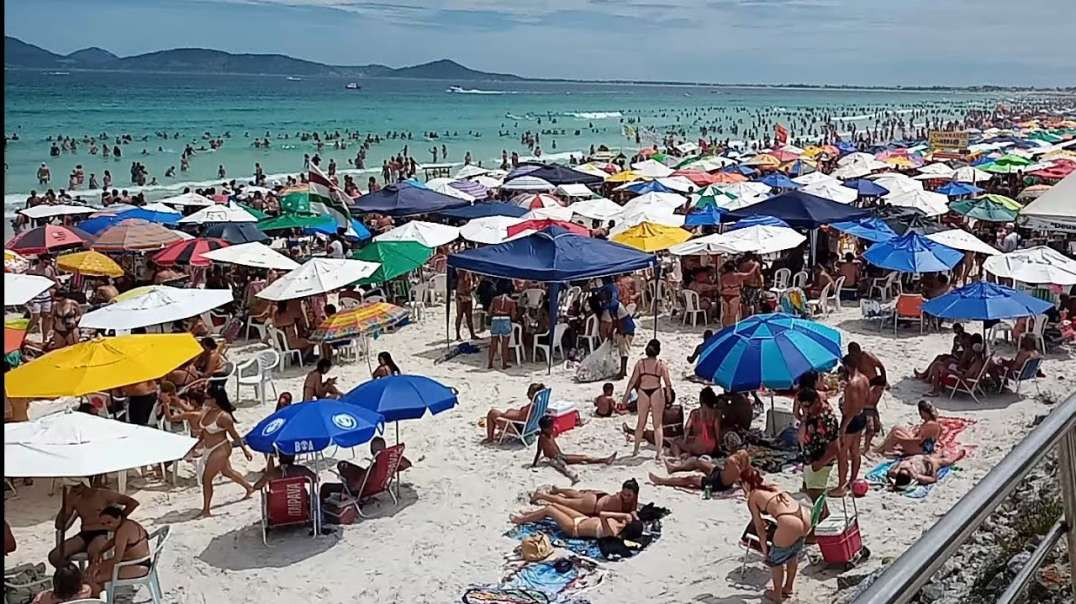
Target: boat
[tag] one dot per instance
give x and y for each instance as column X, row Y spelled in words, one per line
column 60, row 73
column 294, row 79
column 455, row 89
column 353, row 86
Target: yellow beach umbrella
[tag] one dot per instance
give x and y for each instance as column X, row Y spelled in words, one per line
column 91, row 264
column 763, row 160
column 898, row 161
column 15, row 262
column 652, row 237
column 101, row 364
column 625, row 176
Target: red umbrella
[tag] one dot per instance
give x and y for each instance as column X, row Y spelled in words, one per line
column 698, row 177
column 188, row 251
column 48, row 238
column 537, row 225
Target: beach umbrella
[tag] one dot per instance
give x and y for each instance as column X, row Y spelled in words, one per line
column 651, row 169
column 231, row 212
column 867, row 188
column 800, row 167
column 188, row 252
column 90, row 264
column 528, row 183
column 73, row 444
column 254, row 254
column 444, row 186
column 760, row 239
column 709, row 245
column 99, row 222
column 971, row 174
column 984, row 209
column 956, row 189
column 1002, row 200
column 731, row 178
column 897, row 183
column 697, row 177
column 646, row 186
column 488, row 230
column 395, row 258
column 912, row 253
column 832, row 190
column 553, row 173
column 763, row 160
column 664, row 201
column 317, row 276
column 471, row 170
column 368, row 318
column 234, row 232
column 560, row 213
column 255, row 212
column 927, row 202
column 815, row 177
column 802, row 210
column 531, row 202
column 475, row 190
column 1034, row 265
column 623, row 176
column 777, row 180
column 47, row 239
column 312, row 426
column 935, row 171
column 134, row 235
column 707, row 216
column 188, row 199
column 20, row 289
column 294, row 221
column 757, row 221
column 959, row 239
column 14, row 262
column 748, row 190
column 13, row 338
column 982, row 301
column 161, row 305
column 1032, row 192
column 767, row 351
column 598, row 208
column 715, row 198
column 657, row 215
column 142, row 290
column 870, row 228
column 52, row 210
column 429, row 234
column 538, row 224
column 101, row 364
column 651, row 237
column 402, row 397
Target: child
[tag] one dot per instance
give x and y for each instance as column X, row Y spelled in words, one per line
column 706, row 335
column 547, row 445
column 605, row 405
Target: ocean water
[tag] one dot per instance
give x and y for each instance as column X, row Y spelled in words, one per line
column 485, row 119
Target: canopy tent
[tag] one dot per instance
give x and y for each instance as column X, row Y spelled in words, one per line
column 317, row 276
column 219, row 213
column 959, row 239
column 483, row 210
column 429, row 234
column 708, row 216
column 575, row 190
column 912, row 253
column 403, row 199
column 552, row 173
column 801, row 210
column 1054, row 209
column 234, row 232
column 160, row 305
column 253, row 254
column 1038, row 264
column 20, row 289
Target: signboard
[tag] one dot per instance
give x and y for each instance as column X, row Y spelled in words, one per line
column 951, row 140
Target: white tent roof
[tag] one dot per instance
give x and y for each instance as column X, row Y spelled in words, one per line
column 317, row 276
column 528, row 183
column 549, row 213
column 833, row 190
column 761, row 239
column 441, row 185
column 489, row 229
column 470, row 171
column 959, row 239
column 20, row 289
column 1039, row 264
column 815, row 178
column 971, row 174
column 669, row 201
column 162, row 304
column 575, row 190
column 1055, row 208
column 897, row 183
column 928, row 202
column 188, row 199
column 652, row 169
column 253, row 254
column 219, row 213
column 429, row 234
column 599, row 208
column 59, row 209
column 73, row 444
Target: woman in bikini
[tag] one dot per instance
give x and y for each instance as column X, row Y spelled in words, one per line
column 703, row 428
column 217, row 424
column 731, row 287
column 495, row 416
column 203, row 366
column 592, row 502
column 385, row 366
column 129, row 543
column 915, row 440
column 580, row 526
column 721, row 478
column 647, row 379
column 501, row 312
column 793, row 526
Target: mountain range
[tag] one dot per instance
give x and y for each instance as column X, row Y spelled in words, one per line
column 22, row 55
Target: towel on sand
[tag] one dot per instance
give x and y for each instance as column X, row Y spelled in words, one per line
column 877, row 477
column 540, row 583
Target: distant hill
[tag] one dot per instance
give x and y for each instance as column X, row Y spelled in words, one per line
column 19, row 54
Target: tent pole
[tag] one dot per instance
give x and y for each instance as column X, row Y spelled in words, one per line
column 657, row 291
column 554, row 318
column 449, row 272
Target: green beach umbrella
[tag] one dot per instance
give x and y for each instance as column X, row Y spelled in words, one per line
column 996, row 168
column 260, row 215
column 984, row 209
column 396, row 258
column 1013, row 160
column 290, row 221
column 1008, row 202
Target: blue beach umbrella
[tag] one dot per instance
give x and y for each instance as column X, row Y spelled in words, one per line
column 912, row 253
column 867, row 188
column 99, row 223
column 650, row 186
column 770, row 351
column 871, row 228
column 758, row 221
column 982, row 301
column 740, row 169
column 708, row 216
column 779, row 181
column 956, row 189
column 400, row 397
column 312, row 426
column 799, row 168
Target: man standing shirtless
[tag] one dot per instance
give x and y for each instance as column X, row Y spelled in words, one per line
column 853, row 422
column 464, row 302
column 86, row 502
column 870, row 366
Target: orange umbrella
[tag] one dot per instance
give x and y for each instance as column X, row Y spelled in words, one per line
column 13, row 338
column 728, row 178
column 784, row 156
column 697, row 176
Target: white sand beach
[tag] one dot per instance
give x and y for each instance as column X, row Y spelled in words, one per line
column 447, row 532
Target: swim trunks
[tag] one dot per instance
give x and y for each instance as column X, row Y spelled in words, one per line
column 500, row 326
column 857, row 424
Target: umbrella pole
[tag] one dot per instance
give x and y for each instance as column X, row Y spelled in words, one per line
column 397, row 465
column 657, row 292
column 448, row 311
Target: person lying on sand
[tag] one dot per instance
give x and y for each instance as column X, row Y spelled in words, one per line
column 547, row 446
column 592, row 502
column 908, row 440
column 579, row 525
column 721, row 477
column 495, row 416
column 923, row 469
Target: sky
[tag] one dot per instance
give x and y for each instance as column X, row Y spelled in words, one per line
column 866, row 42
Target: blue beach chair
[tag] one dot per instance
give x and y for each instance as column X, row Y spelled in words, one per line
column 525, row 431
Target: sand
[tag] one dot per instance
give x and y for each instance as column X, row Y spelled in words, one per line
column 447, row 532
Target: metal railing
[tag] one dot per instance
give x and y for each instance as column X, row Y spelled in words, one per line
column 903, row 579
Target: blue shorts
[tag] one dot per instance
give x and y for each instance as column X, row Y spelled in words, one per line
column 500, row 326
column 779, row 556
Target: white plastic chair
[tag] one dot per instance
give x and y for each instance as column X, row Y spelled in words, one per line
column 478, row 315
column 436, row 288
column 780, row 280
column 799, row 280
column 692, row 308
column 590, row 335
column 819, row 305
column 416, row 300
column 1038, row 326
column 532, row 298
column 834, row 301
column 349, row 303
column 279, row 341
column 558, row 335
column 258, row 374
column 885, row 286
column 157, row 539
column 515, row 343
column 259, row 328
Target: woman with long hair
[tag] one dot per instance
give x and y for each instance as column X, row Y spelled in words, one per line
column 647, row 379
column 385, row 366
column 793, row 526
column 915, row 440
column 217, row 424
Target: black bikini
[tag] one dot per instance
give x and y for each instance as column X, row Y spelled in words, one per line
column 649, row 391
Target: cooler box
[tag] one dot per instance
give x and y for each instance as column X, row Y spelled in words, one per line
column 565, row 416
column 777, row 420
column 838, row 538
column 337, row 511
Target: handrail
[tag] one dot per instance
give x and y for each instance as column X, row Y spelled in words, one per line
column 902, row 579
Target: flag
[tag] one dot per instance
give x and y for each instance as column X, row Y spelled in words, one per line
column 325, row 191
column 780, row 134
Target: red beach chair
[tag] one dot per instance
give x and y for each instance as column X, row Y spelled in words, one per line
column 377, row 478
column 289, row 501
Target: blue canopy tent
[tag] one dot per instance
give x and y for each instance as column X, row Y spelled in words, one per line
column 483, row 210
column 913, row 253
column 779, row 181
column 403, row 199
column 99, row 223
column 871, row 228
column 708, row 216
column 553, row 256
column 554, row 174
column 866, row 188
column 802, row 211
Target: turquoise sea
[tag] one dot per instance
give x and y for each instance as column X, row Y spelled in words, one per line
column 484, row 119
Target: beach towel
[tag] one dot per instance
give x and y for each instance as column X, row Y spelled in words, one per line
column 579, row 574
column 582, row 547
column 877, row 477
column 462, row 348
column 492, row 594
column 954, row 427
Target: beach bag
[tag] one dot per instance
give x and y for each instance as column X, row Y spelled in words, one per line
column 231, row 329
column 536, row 547
column 25, row 581
column 672, row 421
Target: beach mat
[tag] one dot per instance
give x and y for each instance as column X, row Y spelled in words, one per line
column 541, row 583
column 877, row 477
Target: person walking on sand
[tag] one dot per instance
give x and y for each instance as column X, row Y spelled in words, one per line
column 853, row 422
column 647, row 379
column 218, row 424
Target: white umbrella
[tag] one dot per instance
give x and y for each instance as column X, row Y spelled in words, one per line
column 441, row 185
column 959, row 239
column 489, row 229
column 528, row 183
column 160, row 207
column 253, row 254
column 658, row 215
column 855, row 158
column 971, row 174
column 73, row 444
column 188, row 199
column 814, row 178
column 549, row 213
column 851, row 171
column 709, row 163
column 592, row 169
column 927, row 202
column 669, row 201
column 162, row 304
column 745, row 189
column 761, row 239
column 488, row 182
column 574, row 190
column 680, row 184
column 219, row 213
column 596, row 209
column 897, row 183
column 470, row 171
column 833, row 190
column 317, row 276
column 1039, row 264
column 60, row 209
column 20, row 289
column 429, row 234
column 703, row 246
column 934, row 171
column 652, row 169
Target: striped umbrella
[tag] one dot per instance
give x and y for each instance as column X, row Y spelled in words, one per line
column 135, row 235
column 474, row 189
column 770, row 351
column 188, row 251
column 371, row 318
column 48, row 238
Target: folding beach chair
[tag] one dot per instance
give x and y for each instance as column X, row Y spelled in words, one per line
column 525, row 431
column 968, row 386
column 909, row 307
column 1030, row 371
column 290, row 501
column 377, row 479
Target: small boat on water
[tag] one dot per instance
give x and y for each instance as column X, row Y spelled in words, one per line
column 455, row 89
column 294, row 79
column 59, row 73
column 353, row 86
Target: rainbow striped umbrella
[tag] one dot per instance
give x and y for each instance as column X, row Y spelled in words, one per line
column 372, row 318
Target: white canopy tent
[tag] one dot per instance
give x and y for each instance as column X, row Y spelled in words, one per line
column 1054, row 209
column 575, row 190
column 160, row 305
column 318, row 276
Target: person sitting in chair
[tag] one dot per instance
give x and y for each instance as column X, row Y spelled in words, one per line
column 130, row 542
column 496, row 418
column 86, row 502
column 285, row 468
column 355, row 475
column 67, row 585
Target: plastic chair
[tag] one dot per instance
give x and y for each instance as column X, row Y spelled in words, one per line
column 278, row 499
column 820, row 304
column 885, row 286
column 279, row 341
column 262, row 365
column 1002, row 330
column 834, row 301
column 909, row 307
column 781, row 278
column 799, row 280
column 526, row 430
column 532, row 298
column 349, row 303
column 157, row 539
column 692, row 308
column 1038, row 326
column 436, row 288
column 11, row 584
column 416, row 300
column 515, row 343
column 590, row 335
column 259, row 328
column 558, row 335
